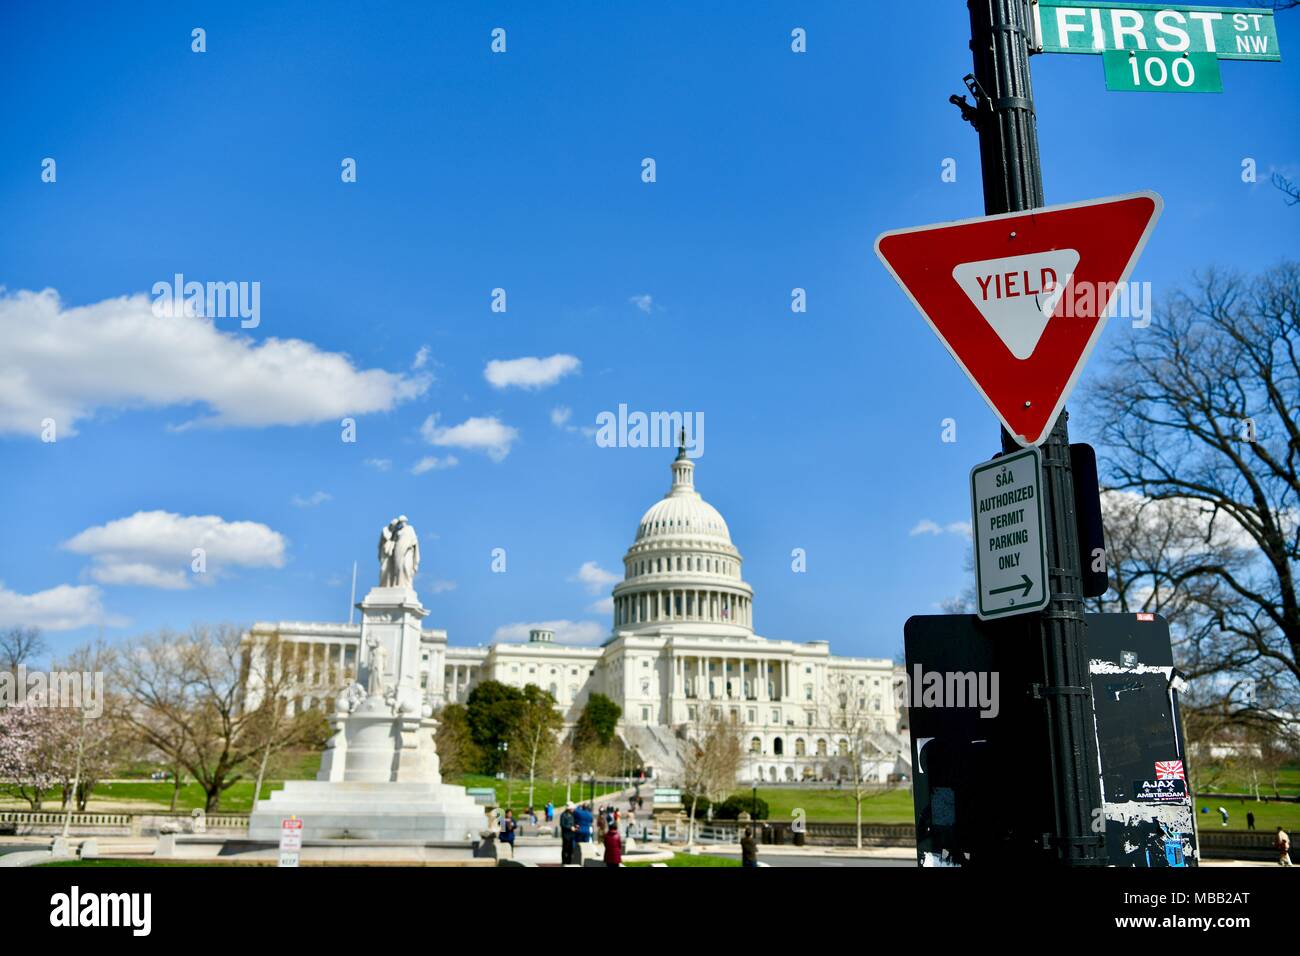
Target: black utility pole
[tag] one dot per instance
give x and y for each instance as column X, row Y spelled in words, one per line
column 1001, row 33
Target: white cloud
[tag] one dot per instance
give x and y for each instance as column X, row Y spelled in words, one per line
column 312, row 500
column 560, row 415
column 433, row 462
column 530, row 372
column 566, row 632
column 926, row 526
column 155, row 548
column 61, row 608
column 67, row 363
column 438, row 587
column 487, row 435
column 379, row 464
column 421, row 357
column 1154, row 517
column 603, row 606
column 595, row 578
column 645, row 302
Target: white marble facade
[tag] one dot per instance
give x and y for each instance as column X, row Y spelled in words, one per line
column 682, row 639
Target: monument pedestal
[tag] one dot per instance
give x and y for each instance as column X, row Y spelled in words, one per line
column 379, row 776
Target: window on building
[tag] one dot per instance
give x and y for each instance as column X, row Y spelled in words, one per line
column 807, row 691
column 776, row 716
column 751, row 716
column 645, row 714
column 555, row 691
column 800, row 748
column 843, row 748
column 821, row 748
column 755, row 745
column 690, row 712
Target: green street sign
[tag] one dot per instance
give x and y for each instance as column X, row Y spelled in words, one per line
column 1148, row 72
column 1229, row 33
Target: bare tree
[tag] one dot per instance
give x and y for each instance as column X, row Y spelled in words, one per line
column 1288, row 187
column 186, row 698
column 564, row 766
column 712, row 759
column 18, row 646
column 852, row 713
column 535, row 733
column 1202, row 414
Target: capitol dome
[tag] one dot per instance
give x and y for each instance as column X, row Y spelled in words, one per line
column 682, row 566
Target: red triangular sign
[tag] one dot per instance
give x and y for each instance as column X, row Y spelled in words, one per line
column 1020, row 299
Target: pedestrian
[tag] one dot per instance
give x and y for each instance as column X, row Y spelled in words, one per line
column 1282, row 843
column 602, row 825
column 583, row 820
column 748, row 849
column 640, row 803
column 568, row 834
column 613, row 847
column 1223, row 812
column 1250, row 820
column 550, row 811
column 508, row 831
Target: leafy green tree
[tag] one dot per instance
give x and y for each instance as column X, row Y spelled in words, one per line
column 458, row 754
column 597, row 722
column 493, row 711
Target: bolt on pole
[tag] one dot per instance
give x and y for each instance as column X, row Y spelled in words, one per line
column 1001, row 35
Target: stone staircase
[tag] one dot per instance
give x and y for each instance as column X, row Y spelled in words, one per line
column 659, row 748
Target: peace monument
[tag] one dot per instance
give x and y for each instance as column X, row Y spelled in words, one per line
column 379, row 777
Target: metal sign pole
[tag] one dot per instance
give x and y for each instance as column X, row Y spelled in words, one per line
column 1001, row 35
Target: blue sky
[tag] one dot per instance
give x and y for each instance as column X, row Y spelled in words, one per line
column 522, row 171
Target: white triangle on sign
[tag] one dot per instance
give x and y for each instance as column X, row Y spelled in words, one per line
column 1018, row 294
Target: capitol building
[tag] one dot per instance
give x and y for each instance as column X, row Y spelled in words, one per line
column 682, row 648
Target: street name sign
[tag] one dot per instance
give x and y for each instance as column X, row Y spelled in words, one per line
column 1227, row 33
column 1007, row 528
column 1020, row 299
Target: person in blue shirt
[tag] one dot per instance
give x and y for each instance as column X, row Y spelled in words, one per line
column 584, row 819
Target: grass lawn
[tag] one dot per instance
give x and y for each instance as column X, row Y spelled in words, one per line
column 835, row 806
column 1242, row 781
column 543, row 790
column 1268, row 816
column 685, row 859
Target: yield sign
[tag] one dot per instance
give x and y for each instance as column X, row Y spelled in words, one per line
column 1020, row 299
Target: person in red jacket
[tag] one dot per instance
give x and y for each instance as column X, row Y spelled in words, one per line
column 613, row 846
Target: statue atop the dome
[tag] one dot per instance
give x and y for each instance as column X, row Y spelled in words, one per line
column 399, row 554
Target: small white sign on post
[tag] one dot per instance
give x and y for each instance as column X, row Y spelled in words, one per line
column 290, row 841
column 1007, row 529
